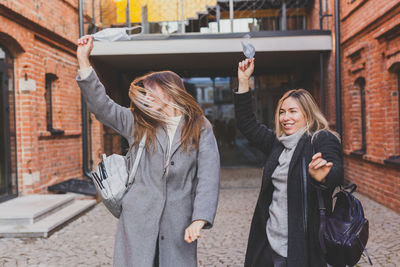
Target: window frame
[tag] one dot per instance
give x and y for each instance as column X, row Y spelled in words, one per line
column 11, row 190
column 360, row 83
column 395, row 160
column 50, row 78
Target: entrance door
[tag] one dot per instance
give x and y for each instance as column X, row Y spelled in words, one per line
column 8, row 166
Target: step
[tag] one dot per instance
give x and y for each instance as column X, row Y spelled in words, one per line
column 32, row 208
column 46, row 226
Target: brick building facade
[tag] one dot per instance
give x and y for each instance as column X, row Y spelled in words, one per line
column 41, row 123
column 370, row 42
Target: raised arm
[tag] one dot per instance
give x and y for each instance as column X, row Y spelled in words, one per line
column 117, row 117
column 258, row 134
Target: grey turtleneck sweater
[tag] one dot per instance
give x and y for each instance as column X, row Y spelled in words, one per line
column 277, row 224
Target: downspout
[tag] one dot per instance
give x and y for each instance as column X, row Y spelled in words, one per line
column 322, row 15
column 86, row 170
column 338, row 70
column 321, row 63
column 322, row 81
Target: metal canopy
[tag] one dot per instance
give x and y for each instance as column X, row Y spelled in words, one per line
column 211, row 55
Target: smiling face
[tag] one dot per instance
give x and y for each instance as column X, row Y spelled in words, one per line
column 291, row 117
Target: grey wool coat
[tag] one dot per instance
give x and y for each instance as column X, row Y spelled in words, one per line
column 158, row 206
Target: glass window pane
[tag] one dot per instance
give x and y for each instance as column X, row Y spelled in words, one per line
column 8, row 152
column 2, row 55
column 3, row 141
column 13, row 132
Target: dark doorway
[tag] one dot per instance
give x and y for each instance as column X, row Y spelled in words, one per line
column 8, row 153
column 214, row 95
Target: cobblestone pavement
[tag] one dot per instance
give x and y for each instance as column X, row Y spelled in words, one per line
column 88, row 240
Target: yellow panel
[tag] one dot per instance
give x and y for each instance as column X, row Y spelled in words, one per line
column 161, row 10
column 108, row 12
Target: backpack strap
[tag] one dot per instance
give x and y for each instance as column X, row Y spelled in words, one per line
column 322, row 220
column 305, row 211
column 322, row 214
column 352, row 187
column 365, row 250
column 132, row 173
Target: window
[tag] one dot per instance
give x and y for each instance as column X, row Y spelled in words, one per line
column 8, row 140
column 362, row 145
column 50, row 79
column 395, row 159
column 398, row 99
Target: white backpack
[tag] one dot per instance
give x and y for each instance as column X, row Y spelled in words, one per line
column 112, row 179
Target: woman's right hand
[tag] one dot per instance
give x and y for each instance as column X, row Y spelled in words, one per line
column 245, row 70
column 85, row 46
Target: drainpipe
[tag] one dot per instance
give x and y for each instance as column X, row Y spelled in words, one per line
column 86, row 170
column 338, row 70
column 322, row 81
column 321, row 63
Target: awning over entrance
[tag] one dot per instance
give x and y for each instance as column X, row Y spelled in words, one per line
column 212, row 54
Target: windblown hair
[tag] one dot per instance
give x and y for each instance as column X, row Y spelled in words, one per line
column 315, row 120
column 147, row 119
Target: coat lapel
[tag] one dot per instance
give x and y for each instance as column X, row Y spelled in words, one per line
column 176, row 141
column 297, row 152
column 162, row 138
column 272, row 162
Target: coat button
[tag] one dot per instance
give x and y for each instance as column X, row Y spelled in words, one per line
column 162, row 237
column 172, row 163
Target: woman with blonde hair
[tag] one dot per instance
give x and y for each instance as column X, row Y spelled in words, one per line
column 285, row 225
column 176, row 186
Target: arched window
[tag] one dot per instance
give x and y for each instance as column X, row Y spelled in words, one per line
column 395, row 157
column 398, row 98
column 49, row 86
column 361, row 124
column 8, row 152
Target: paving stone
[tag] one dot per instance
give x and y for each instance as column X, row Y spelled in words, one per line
column 89, row 240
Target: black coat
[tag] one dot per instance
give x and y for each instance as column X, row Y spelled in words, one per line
column 303, row 245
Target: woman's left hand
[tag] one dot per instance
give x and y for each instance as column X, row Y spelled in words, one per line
column 319, row 167
column 192, row 233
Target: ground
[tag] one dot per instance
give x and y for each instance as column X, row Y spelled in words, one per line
column 89, row 240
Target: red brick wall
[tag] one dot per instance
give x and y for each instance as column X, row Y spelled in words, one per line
column 371, row 51
column 358, row 16
column 313, row 16
column 374, row 180
column 46, row 34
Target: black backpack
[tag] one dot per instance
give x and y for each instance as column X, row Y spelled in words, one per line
column 343, row 235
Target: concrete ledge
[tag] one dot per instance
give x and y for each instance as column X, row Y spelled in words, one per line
column 44, row 227
column 30, row 209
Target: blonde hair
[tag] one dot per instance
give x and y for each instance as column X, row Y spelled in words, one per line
column 315, row 120
column 148, row 119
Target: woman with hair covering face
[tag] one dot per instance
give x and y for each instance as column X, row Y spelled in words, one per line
column 284, row 229
column 176, row 186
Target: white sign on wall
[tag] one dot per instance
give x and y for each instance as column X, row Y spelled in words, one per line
column 27, row 85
